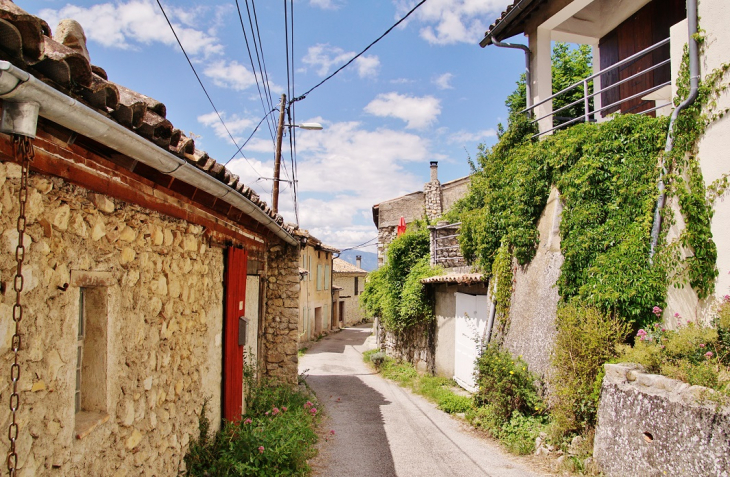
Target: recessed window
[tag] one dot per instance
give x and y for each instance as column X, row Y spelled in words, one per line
column 356, row 286
column 91, row 359
column 327, row 277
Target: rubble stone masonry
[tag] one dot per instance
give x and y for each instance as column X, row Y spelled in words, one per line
column 281, row 318
column 161, row 300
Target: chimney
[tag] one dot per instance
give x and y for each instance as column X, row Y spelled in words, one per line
column 358, row 261
column 434, row 171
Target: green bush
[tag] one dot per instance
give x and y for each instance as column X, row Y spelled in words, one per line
column 518, row 433
column 505, row 384
column 394, row 292
column 586, row 339
column 275, row 436
column 693, row 353
column 454, row 404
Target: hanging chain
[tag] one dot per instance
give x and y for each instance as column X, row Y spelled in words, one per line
column 23, row 154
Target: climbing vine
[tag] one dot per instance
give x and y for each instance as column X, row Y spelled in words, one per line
column 502, row 287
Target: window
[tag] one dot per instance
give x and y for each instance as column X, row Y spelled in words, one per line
column 309, row 267
column 356, row 287
column 327, row 277
column 319, row 277
column 91, row 344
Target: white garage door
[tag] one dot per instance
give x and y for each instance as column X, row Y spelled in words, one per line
column 471, row 320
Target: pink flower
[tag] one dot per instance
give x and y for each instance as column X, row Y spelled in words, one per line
column 702, row 345
column 676, row 315
column 313, row 411
column 261, row 449
column 247, row 421
column 332, row 432
column 267, row 413
column 709, row 354
column 308, row 404
column 641, row 334
column 283, row 408
column 275, row 411
column 726, row 298
column 656, row 310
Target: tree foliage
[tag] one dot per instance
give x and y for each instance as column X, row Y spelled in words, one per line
column 394, row 292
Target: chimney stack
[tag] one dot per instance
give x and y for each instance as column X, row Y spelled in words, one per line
column 434, row 171
column 358, row 261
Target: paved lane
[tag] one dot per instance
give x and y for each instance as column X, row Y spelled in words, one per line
column 384, row 430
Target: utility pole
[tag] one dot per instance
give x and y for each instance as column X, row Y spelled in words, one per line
column 277, row 158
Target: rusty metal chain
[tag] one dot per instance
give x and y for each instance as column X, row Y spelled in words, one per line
column 23, row 154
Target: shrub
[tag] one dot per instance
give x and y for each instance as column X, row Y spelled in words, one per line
column 454, row 404
column 377, row 358
column 505, row 384
column 693, row 353
column 586, row 339
column 275, row 436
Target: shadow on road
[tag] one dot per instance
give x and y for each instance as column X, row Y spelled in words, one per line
column 336, row 342
column 360, row 445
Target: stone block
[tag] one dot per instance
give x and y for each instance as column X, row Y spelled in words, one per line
column 127, row 255
column 102, row 203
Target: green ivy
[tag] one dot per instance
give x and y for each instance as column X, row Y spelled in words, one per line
column 394, row 292
column 502, row 288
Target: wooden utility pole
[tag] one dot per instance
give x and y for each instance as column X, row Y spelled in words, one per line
column 277, row 158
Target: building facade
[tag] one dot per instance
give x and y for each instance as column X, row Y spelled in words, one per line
column 351, row 279
column 150, row 273
column 317, row 315
column 435, row 199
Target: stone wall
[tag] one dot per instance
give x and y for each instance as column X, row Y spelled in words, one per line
column 432, row 199
column 533, row 310
column 445, row 250
column 163, row 294
column 417, row 345
column 655, row 426
column 385, row 236
column 281, row 316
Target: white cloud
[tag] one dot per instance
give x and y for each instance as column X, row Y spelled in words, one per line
column 343, row 171
column 230, row 75
column 417, row 112
column 326, row 4
column 453, row 21
column 367, row 66
column 324, row 58
column 236, row 125
column 466, row 136
column 444, row 81
column 130, row 24
column 401, row 81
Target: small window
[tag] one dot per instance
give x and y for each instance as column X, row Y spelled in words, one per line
column 327, row 277
column 320, row 276
column 357, row 291
column 91, row 346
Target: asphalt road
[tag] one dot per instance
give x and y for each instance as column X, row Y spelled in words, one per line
column 384, row 430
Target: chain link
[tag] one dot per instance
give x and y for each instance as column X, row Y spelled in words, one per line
column 23, row 154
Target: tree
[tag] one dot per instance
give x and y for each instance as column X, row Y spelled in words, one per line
column 570, row 65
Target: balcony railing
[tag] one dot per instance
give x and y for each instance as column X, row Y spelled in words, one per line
column 585, row 85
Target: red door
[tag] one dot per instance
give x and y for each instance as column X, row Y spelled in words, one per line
column 235, row 289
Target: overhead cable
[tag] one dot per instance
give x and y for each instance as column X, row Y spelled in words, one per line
column 299, row 98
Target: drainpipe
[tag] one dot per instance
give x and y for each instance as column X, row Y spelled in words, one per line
column 528, row 77
column 19, row 86
column 694, row 80
column 492, row 313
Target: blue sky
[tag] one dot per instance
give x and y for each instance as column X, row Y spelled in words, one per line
column 427, row 91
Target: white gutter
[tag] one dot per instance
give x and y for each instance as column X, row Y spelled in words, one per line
column 17, row 85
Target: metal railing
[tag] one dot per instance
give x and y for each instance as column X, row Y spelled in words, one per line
column 437, row 257
column 589, row 113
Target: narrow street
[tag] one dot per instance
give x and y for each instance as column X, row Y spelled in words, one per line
column 384, row 430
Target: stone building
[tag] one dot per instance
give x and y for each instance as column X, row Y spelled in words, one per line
column 149, row 270
column 351, row 279
column 435, row 199
column 316, row 313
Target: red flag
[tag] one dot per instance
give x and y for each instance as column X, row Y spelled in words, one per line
column 401, row 227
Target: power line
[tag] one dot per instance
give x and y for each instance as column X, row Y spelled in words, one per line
column 258, row 46
column 203, row 87
column 362, row 245
column 359, row 54
column 253, row 70
column 250, row 136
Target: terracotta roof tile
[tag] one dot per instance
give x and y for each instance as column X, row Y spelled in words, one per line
column 25, row 41
column 458, row 278
column 341, row 266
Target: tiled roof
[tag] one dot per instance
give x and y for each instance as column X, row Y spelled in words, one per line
column 314, row 241
column 458, row 278
column 341, row 266
column 62, row 61
column 497, row 28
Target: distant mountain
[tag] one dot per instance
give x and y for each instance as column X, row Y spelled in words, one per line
column 369, row 259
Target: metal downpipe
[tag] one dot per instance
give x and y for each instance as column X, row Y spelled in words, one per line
column 528, row 76
column 694, row 81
